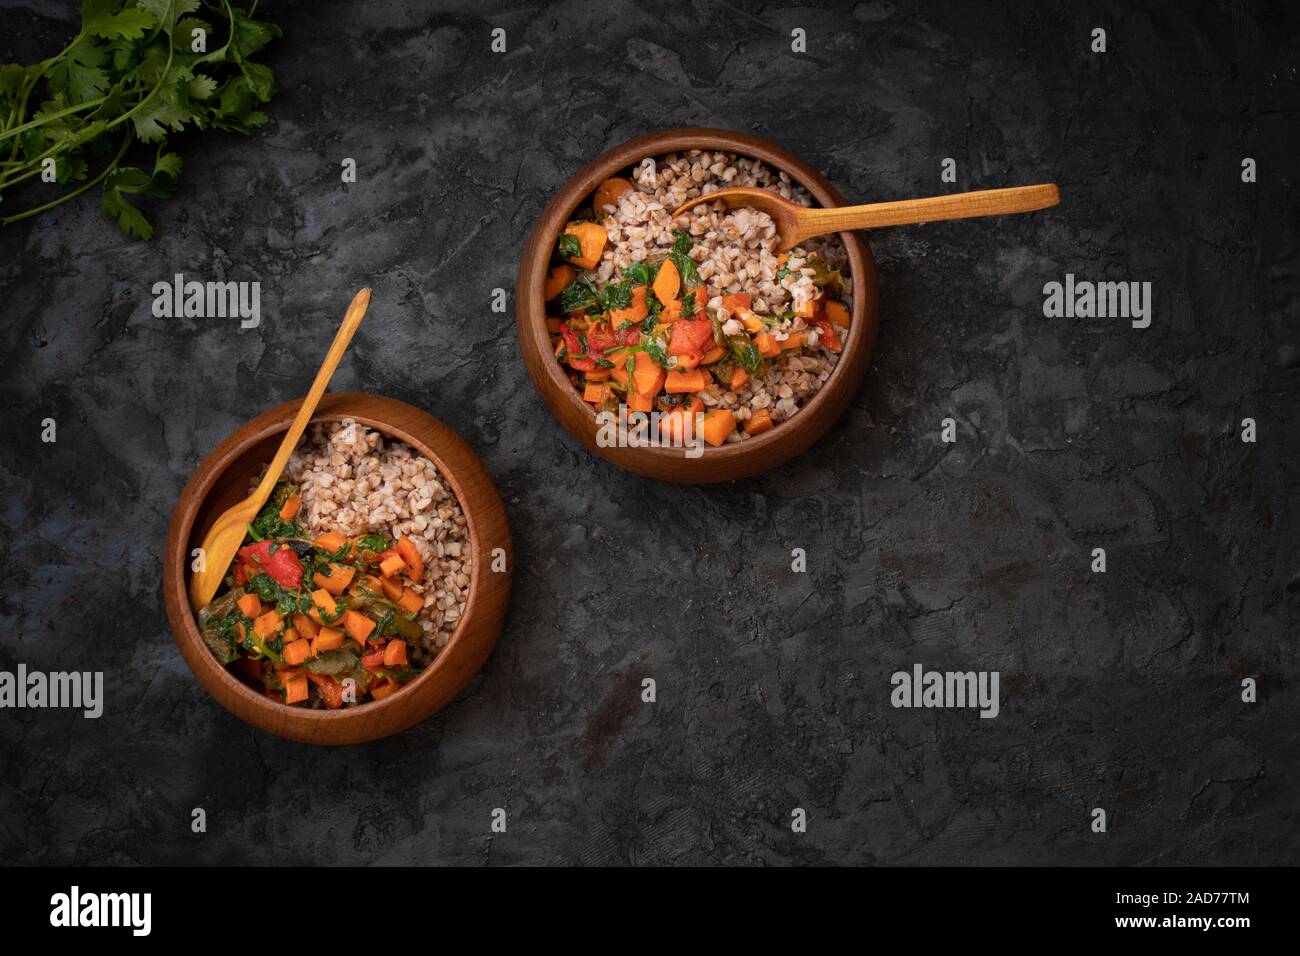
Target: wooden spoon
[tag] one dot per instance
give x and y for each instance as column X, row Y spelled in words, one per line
column 227, row 532
column 794, row 223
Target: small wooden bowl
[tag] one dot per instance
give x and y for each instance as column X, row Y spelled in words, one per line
column 223, row 479
column 730, row 461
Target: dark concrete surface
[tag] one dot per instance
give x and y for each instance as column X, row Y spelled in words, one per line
column 1119, row 690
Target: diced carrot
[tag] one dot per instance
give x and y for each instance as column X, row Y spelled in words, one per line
column 712, row 355
column 305, row 625
column 806, row 309
column 678, row 383
column 647, row 377
column 285, row 672
column 636, row 310
column 295, row 691
column 297, row 652
column 381, row 689
column 735, row 301
column 390, row 566
column 410, row 602
column 267, row 624
column 597, row 375
column 411, row 555
column 767, row 345
column 687, row 362
column 675, row 310
column 697, row 404
column 619, row 375
column 290, row 634
column 838, row 313
column 751, row 322
column 738, row 378
column 392, row 589
column 558, row 279
column 323, row 606
column 591, row 241
column 618, row 359
column 667, row 283
column 607, row 193
column 795, row 341
column 395, row 653
column 330, row 541
column 594, row 393
column 250, row 606
column 637, row 402
column 759, row 422
column 290, row 508
column 328, row 639
column 718, row 424
column 358, row 626
column 339, row 578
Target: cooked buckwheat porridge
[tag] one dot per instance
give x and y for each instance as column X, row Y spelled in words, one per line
column 700, row 314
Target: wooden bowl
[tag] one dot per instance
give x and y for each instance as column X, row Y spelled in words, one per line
column 729, row 461
column 223, row 479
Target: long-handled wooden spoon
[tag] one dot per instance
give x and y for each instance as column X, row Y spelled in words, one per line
column 227, row 532
column 794, row 223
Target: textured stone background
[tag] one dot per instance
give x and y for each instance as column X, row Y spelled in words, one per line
column 1119, row 690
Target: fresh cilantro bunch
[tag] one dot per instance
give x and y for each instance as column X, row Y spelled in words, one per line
column 131, row 75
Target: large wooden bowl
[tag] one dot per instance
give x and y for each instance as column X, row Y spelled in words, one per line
column 223, row 479
column 730, row 461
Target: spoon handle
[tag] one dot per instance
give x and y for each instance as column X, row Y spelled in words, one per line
column 986, row 202
column 356, row 312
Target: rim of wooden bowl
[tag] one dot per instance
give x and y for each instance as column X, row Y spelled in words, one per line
column 732, row 460
column 470, row 643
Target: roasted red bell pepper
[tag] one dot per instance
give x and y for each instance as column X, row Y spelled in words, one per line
column 281, row 564
column 578, row 357
column 691, row 337
column 331, row 690
column 827, row 338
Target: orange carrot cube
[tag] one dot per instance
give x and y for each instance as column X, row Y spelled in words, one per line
column 358, row 626
column 395, row 653
column 297, row 652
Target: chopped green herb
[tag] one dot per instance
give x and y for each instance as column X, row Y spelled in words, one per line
column 372, row 542
column 640, row 273
column 570, row 247
column 579, row 294
column 616, row 296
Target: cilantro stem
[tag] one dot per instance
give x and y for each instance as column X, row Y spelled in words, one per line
column 76, row 192
column 50, row 117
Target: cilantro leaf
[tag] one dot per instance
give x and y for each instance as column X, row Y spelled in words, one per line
column 101, row 18
column 570, row 247
column 129, row 219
